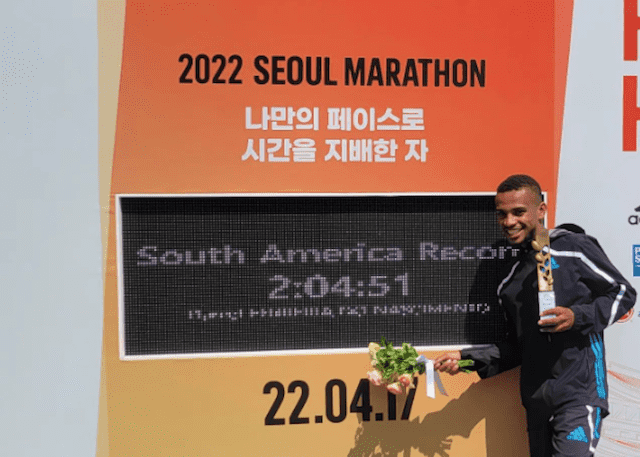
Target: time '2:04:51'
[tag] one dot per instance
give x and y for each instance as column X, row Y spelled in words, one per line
column 318, row 286
column 335, row 403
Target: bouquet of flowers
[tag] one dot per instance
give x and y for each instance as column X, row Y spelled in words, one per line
column 393, row 367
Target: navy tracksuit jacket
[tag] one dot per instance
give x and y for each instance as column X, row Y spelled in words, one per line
column 566, row 369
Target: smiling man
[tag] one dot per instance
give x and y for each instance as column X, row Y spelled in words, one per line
column 563, row 382
column 520, row 208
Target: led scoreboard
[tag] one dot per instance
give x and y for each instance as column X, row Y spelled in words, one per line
column 242, row 274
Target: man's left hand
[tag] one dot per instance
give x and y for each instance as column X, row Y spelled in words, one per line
column 562, row 320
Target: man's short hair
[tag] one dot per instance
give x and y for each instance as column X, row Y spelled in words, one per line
column 517, row 182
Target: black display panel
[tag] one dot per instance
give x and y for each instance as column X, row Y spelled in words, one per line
column 237, row 274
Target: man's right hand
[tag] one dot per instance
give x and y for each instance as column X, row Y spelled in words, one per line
column 448, row 363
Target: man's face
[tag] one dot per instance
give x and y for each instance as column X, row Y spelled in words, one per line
column 519, row 213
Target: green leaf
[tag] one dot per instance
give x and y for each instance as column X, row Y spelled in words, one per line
column 465, row 363
column 397, row 361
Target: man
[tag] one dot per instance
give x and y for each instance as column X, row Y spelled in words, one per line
column 563, row 382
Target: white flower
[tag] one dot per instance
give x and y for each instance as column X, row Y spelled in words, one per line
column 407, row 380
column 375, row 377
column 395, row 388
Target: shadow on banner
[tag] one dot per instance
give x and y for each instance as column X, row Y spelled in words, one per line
column 432, row 435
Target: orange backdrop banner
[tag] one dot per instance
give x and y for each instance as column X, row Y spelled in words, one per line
column 321, row 97
column 475, row 81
